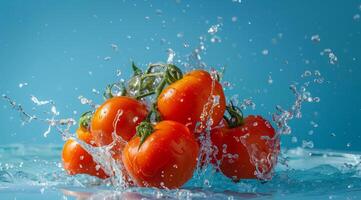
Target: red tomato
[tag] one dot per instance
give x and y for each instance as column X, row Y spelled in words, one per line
column 235, row 145
column 122, row 114
column 190, row 99
column 78, row 161
column 166, row 159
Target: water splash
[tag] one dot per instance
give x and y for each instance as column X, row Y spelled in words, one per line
column 331, row 56
column 171, row 55
column 315, row 38
column 282, row 116
column 61, row 125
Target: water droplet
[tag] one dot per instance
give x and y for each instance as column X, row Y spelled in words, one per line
column 206, row 183
column 171, row 55
column 307, row 144
column 21, row 85
column 180, row 35
column 159, row 12
column 95, row 91
column 356, row 17
column 315, row 38
column 307, row 73
column 216, row 99
column 114, row 47
column 265, row 52
column 119, row 72
column 37, row 101
column 54, row 111
column 107, row 58
column 331, row 56
column 270, row 80
column 135, row 119
column 214, row 29
column 216, row 39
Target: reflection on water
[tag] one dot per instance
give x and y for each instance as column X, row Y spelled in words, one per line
column 35, row 172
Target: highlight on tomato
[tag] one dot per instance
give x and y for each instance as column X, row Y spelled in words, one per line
column 247, row 148
column 193, row 100
column 163, row 156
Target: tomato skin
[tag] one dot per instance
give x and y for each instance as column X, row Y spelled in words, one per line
column 252, row 134
column 184, row 100
column 84, row 135
column 166, row 159
column 133, row 112
column 78, row 161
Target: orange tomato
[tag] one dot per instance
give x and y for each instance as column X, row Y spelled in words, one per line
column 119, row 114
column 247, row 148
column 190, row 99
column 84, row 135
column 166, row 159
column 76, row 160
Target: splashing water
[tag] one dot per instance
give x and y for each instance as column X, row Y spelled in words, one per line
column 205, row 176
column 331, row 56
column 283, row 116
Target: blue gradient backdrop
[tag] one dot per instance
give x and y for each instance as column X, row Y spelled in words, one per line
column 58, row 48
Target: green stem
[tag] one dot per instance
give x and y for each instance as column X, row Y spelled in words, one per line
column 236, row 116
column 151, row 75
column 171, row 74
column 151, row 66
column 145, row 95
column 85, row 119
column 136, row 70
column 154, row 109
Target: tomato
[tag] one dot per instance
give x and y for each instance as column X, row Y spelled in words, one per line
column 84, row 135
column 248, row 151
column 78, row 161
column 119, row 114
column 166, row 159
column 190, row 99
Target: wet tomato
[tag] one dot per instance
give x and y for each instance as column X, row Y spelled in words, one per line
column 248, row 151
column 119, row 114
column 84, row 135
column 77, row 160
column 191, row 99
column 166, row 159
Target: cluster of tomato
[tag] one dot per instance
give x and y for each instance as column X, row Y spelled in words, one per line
column 160, row 143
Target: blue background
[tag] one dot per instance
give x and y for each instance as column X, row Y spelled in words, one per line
column 58, row 48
